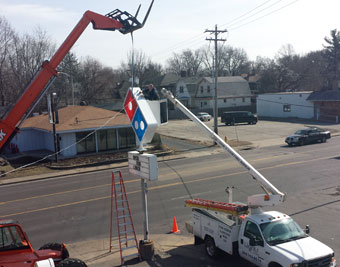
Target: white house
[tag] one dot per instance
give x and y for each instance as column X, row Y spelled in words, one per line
column 232, row 91
column 111, row 131
column 185, row 91
column 285, row 105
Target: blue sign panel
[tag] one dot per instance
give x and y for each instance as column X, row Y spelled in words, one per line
column 139, row 124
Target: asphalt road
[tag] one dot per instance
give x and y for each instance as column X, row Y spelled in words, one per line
column 77, row 208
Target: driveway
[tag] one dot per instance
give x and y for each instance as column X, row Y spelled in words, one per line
column 264, row 133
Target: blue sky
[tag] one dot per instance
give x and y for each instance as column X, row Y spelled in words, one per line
column 261, row 27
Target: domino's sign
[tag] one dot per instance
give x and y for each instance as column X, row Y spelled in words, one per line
column 140, row 114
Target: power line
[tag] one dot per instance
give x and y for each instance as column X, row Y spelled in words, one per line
column 270, row 13
column 230, row 23
column 237, row 18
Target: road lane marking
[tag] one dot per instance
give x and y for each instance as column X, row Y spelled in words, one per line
column 153, row 188
column 63, row 192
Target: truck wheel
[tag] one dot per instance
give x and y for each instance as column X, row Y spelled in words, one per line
column 274, row 264
column 72, row 263
column 211, row 248
column 58, row 247
column 323, row 140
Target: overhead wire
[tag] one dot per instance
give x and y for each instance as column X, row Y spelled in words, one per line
column 270, row 13
column 248, row 12
column 252, row 15
column 234, row 23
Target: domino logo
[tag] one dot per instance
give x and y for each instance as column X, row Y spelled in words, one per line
column 130, row 105
column 139, row 124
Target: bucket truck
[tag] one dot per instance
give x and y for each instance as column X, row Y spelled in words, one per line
column 265, row 238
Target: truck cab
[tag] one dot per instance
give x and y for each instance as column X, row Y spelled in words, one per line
column 274, row 239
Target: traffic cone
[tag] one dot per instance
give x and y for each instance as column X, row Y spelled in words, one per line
column 175, row 227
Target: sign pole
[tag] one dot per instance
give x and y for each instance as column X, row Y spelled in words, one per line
column 144, row 186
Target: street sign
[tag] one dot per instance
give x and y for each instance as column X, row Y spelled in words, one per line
column 143, row 165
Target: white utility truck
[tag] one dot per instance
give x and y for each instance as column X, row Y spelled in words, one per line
column 265, row 238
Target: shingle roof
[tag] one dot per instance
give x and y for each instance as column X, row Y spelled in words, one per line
column 169, row 79
column 327, row 95
column 78, row 117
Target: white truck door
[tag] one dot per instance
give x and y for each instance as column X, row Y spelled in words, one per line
column 251, row 244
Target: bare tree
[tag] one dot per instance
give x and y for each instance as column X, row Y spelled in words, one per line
column 6, row 43
column 96, row 81
column 26, row 58
column 189, row 61
column 143, row 68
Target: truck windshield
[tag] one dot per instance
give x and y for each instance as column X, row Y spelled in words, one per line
column 12, row 238
column 282, row 231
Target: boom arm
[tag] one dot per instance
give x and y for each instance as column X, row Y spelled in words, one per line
column 48, row 70
column 273, row 196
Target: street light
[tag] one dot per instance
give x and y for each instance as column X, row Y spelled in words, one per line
column 71, row 77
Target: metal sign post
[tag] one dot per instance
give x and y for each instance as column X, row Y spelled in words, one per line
column 144, row 166
column 144, row 187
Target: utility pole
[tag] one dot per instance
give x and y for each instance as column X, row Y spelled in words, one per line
column 215, row 39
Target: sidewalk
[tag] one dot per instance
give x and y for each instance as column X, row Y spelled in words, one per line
column 169, row 248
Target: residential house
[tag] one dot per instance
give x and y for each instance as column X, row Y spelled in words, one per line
column 185, row 91
column 233, row 93
column 285, row 105
column 326, row 105
column 81, row 129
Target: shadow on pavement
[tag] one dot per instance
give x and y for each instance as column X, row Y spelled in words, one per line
column 189, row 255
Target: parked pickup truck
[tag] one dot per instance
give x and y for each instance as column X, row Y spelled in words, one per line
column 270, row 239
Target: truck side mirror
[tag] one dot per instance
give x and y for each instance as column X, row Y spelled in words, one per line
column 307, row 229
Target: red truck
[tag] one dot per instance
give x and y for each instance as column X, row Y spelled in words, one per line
column 17, row 251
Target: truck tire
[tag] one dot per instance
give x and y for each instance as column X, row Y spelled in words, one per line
column 58, row 247
column 323, row 140
column 72, row 263
column 210, row 247
column 274, row 264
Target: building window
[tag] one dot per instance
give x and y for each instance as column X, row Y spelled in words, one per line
column 202, row 89
column 126, row 138
column 208, row 88
column 85, row 144
column 107, row 140
column 181, row 89
column 225, row 100
column 286, row 108
column 243, row 99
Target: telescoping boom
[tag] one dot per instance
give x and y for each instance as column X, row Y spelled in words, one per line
column 272, row 197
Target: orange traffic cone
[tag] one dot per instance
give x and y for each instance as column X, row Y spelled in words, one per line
column 175, row 227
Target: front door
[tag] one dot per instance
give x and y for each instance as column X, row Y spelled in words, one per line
column 251, row 244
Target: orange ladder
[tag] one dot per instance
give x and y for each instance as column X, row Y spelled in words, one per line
column 232, row 208
column 126, row 229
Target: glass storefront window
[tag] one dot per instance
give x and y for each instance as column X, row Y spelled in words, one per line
column 85, row 145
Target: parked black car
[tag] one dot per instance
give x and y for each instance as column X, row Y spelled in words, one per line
column 232, row 117
column 307, row 136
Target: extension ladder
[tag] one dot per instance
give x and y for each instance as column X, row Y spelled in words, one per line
column 232, row 208
column 126, row 231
